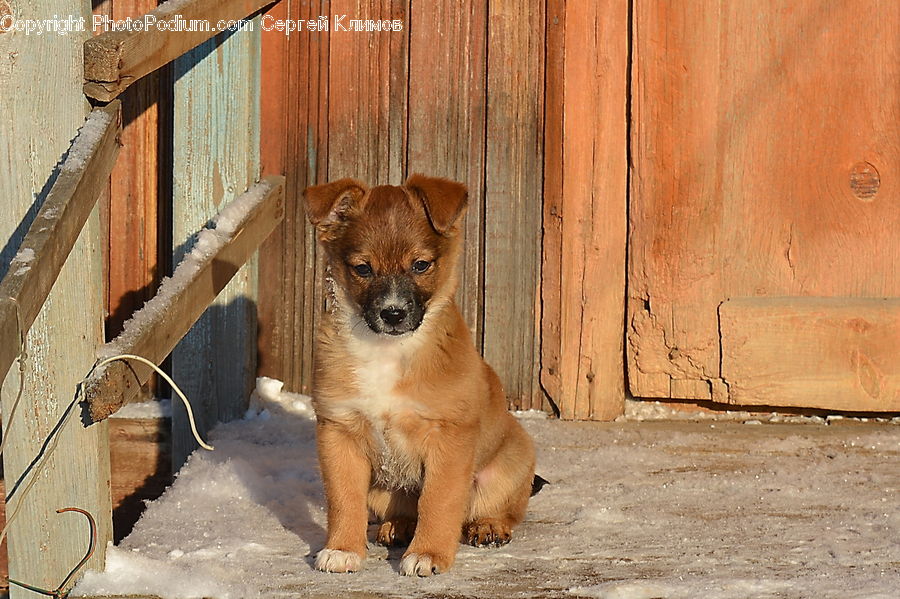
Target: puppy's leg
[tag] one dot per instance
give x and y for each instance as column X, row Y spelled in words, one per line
column 502, row 489
column 396, row 510
column 443, row 503
column 346, row 473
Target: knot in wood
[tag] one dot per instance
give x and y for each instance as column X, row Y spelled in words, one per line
column 864, row 181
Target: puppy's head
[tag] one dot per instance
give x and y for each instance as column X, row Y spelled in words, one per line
column 391, row 250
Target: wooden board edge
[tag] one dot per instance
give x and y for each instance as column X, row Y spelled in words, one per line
column 118, row 383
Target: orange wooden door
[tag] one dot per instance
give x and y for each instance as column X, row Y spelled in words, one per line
column 765, row 206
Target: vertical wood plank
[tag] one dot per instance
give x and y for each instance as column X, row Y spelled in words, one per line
column 513, row 181
column 216, row 158
column 42, row 109
column 447, row 50
column 134, row 193
column 585, row 209
column 294, row 129
column 367, row 104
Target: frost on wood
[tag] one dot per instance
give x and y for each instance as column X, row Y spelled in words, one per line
column 86, row 141
column 206, row 244
column 678, row 510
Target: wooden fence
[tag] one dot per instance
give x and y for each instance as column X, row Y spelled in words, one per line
column 490, row 94
column 56, row 446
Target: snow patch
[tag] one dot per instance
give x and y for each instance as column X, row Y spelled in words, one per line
column 86, row 142
column 676, row 510
column 208, row 241
column 155, row 409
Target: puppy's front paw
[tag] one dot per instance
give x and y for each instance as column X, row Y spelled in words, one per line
column 337, row 560
column 423, row 564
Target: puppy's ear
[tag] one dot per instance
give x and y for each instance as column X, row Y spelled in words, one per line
column 444, row 200
column 331, row 202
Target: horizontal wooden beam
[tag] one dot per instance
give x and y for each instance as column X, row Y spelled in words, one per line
column 835, row 353
column 154, row 330
column 50, row 239
column 116, row 59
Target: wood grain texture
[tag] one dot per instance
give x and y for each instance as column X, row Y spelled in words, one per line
column 513, row 181
column 133, row 268
column 294, row 125
column 216, row 157
column 43, row 107
column 367, row 101
column 119, row 383
column 116, row 59
column 447, row 59
column 141, row 466
column 835, row 353
column 762, row 168
column 585, row 188
column 55, row 230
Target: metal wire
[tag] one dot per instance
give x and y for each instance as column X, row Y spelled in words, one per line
column 60, row 592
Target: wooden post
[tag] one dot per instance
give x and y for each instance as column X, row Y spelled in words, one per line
column 513, row 175
column 216, row 157
column 294, row 142
column 43, row 107
column 585, row 209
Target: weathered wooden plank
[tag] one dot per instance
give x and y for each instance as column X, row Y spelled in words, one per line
column 513, row 181
column 835, row 353
column 141, row 470
column 158, row 327
column 367, row 104
column 585, row 209
column 293, row 142
column 141, row 465
column 36, row 129
column 447, row 122
column 719, row 208
column 216, row 157
column 116, row 59
column 58, row 223
column 133, row 216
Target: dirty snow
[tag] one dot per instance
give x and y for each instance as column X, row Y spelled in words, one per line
column 635, row 510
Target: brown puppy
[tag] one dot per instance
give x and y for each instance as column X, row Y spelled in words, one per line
column 412, row 424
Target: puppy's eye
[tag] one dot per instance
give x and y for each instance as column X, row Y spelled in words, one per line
column 420, row 266
column 363, row 270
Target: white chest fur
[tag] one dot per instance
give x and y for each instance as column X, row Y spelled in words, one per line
column 380, row 364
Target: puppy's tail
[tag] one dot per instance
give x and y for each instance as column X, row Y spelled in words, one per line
column 537, row 484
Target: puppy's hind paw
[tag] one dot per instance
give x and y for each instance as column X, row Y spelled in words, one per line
column 487, row 531
column 420, row 564
column 337, row 560
column 395, row 532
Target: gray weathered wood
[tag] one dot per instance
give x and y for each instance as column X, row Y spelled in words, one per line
column 55, row 229
column 513, row 181
column 216, row 157
column 116, row 59
column 170, row 317
column 446, row 122
column 42, row 110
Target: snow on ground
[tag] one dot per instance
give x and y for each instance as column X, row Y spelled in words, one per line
column 634, row 511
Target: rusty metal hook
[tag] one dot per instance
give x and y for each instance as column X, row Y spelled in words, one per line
column 59, row 593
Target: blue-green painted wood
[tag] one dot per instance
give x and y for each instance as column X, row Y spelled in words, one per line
column 215, row 159
column 41, row 109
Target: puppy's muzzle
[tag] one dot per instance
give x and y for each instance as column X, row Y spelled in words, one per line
column 394, row 307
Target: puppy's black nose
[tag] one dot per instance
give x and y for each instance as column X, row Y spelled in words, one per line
column 393, row 315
